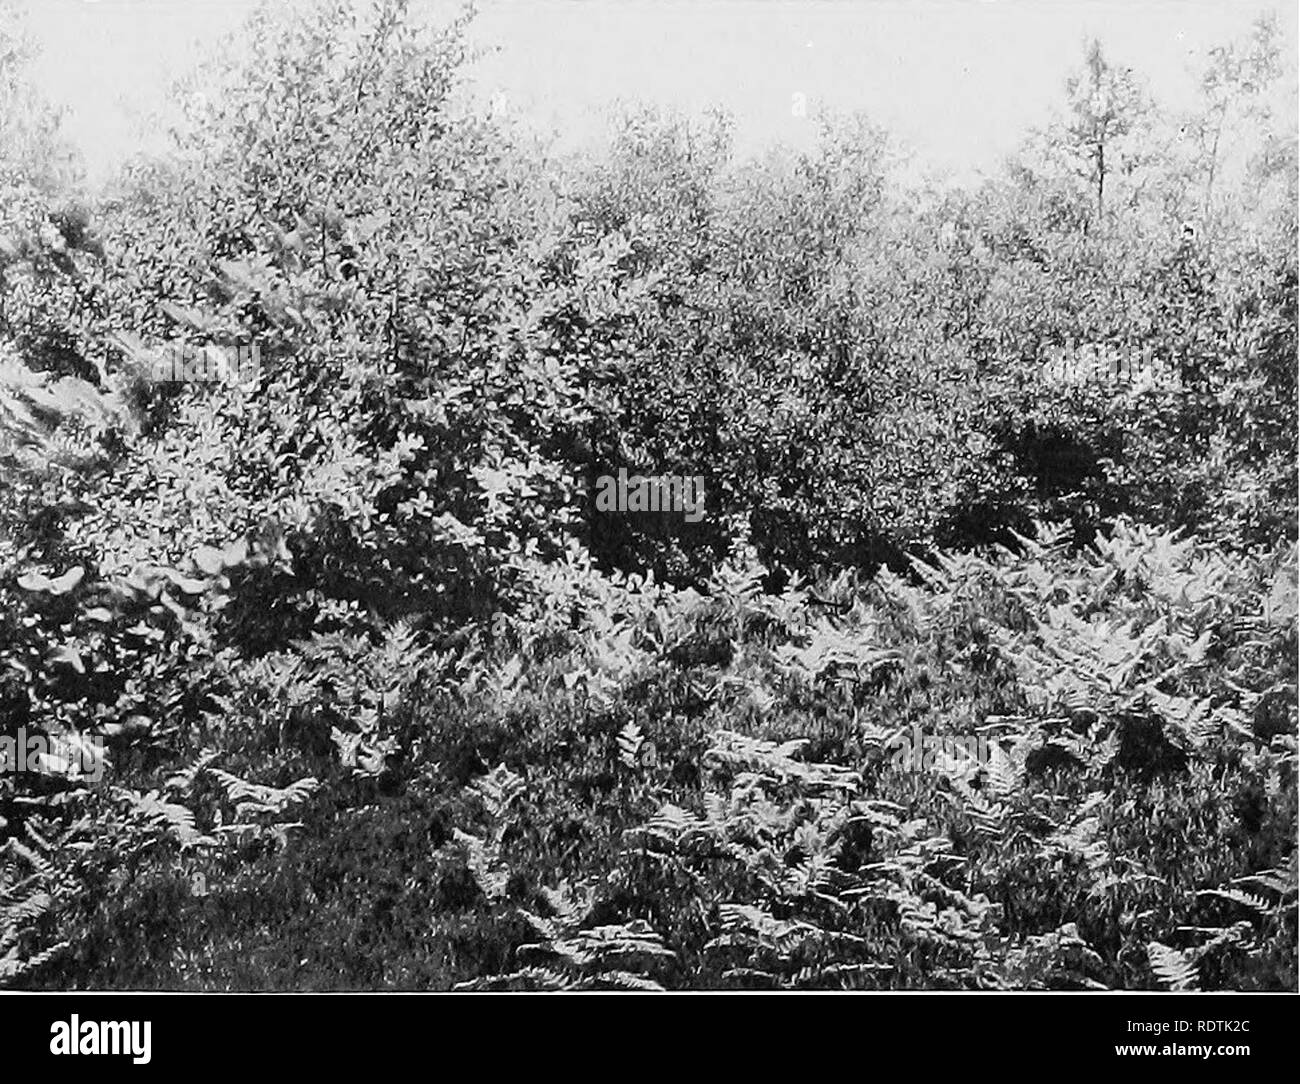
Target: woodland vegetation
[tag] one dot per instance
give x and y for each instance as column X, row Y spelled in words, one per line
column 385, row 700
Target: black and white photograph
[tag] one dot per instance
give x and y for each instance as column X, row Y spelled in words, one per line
column 616, row 497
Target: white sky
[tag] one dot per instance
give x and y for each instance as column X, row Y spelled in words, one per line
column 959, row 80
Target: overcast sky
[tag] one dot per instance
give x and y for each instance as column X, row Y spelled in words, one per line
column 959, row 80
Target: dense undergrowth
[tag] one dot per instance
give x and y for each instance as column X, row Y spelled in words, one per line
column 705, row 790
column 969, row 678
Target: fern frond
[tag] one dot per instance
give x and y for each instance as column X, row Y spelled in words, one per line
column 257, row 798
column 484, row 864
column 1256, row 904
column 529, row 978
column 498, row 789
column 630, row 740
column 1003, row 775
column 1175, row 970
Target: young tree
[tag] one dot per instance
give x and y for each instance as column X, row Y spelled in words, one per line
column 1234, row 103
column 1106, row 106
